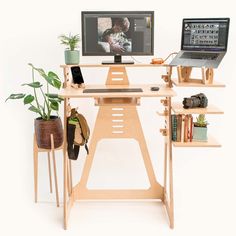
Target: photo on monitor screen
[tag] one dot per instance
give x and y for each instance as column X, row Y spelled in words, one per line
column 125, row 33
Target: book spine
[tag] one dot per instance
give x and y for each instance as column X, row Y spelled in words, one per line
column 191, row 129
column 186, row 128
column 174, row 127
column 179, row 127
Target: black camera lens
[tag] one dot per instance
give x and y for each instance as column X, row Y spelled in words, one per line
column 198, row 100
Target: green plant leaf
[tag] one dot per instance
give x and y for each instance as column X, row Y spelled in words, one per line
column 55, row 79
column 51, row 78
column 54, row 97
column 16, row 96
column 71, row 40
column 43, row 74
column 53, row 75
column 55, row 100
column 39, row 70
column 51, row 95
column 54, row 105
column 61, row 99
column 34, row 109
column 34, row 85
column 56, row 83
column 28, row 99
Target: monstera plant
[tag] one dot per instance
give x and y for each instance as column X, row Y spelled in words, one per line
column 43, row 103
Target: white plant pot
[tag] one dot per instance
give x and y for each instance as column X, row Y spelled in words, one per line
column 72, row 57
column 200, row 134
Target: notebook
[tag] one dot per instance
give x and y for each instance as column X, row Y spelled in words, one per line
column 204, row 42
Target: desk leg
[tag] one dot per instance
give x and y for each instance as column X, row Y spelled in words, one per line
column 165, row 165
column 168, row 169
column 65, row 165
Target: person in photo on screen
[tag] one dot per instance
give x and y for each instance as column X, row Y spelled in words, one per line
column 116, row 36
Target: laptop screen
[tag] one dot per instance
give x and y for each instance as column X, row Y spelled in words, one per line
column 205, row 34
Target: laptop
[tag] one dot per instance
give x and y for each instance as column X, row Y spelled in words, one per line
column 204, row 42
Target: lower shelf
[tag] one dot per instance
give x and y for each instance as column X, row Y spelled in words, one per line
column 196, row 84
column 210, row 143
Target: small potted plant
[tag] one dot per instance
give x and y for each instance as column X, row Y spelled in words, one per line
column 43, row 103
column 72, row 55
column 200, row 128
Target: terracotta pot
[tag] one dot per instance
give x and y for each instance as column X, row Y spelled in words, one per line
column 44, row 129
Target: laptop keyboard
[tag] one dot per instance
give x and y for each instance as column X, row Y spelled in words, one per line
column 115, row 90
column 202, row 56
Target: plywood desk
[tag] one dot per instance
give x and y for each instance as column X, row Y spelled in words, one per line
column 126, row 126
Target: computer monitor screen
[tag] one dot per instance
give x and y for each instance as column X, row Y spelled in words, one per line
column 205, row 34
column 113, row 32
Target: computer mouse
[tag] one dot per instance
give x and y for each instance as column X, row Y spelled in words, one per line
column 155, row 88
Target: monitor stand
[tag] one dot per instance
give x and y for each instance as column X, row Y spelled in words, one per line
column 117, row 60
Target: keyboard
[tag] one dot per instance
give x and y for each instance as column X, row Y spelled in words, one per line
column 202, row 56
column 113, row 90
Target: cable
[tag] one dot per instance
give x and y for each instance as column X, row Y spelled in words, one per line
column 135, row 59
column 170, row 55
column 161, row 61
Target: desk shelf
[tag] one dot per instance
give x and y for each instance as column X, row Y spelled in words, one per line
column 164, row 91
column 177, row 108
column 117, row 65
column 196, row 84
column 210, row 143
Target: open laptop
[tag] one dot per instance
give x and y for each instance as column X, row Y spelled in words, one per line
column 204, row 42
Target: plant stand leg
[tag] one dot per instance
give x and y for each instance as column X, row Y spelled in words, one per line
column 35, row 170
column 55, row 171
column 49, row 172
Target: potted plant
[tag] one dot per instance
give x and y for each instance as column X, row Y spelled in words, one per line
column 44, row 103
column 72, row 56
column 200, row 128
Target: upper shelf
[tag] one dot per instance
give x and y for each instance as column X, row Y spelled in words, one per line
column 210, row 109
column 196, row 84
column 117, row 65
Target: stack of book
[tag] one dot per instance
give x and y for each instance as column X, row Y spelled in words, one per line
column 182, row 128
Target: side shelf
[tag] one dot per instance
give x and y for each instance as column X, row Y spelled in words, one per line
column 185, row 80
column 177, row 108
column 196, row 84
column 210, row 143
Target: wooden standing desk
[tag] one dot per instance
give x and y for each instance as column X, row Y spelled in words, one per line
column 127, row 125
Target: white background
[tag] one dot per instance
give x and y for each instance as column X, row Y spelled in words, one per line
column 204, row 179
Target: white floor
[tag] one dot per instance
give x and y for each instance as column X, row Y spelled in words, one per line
column 204, row 194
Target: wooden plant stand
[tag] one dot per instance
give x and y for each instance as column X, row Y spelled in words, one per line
column 52, row 150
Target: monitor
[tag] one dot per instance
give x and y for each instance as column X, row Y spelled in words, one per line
column 208, row 34
column 127, row 33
